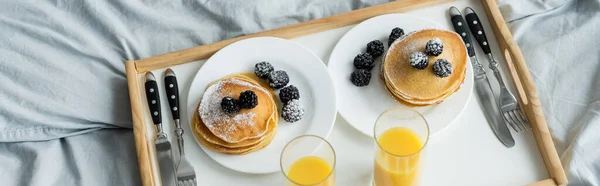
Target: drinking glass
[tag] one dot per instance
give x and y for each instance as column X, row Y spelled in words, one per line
column 308, row 160
column 400, row 135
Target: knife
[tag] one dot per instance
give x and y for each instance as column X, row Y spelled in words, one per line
column 173, row 97
column 186, row 175
column 479, row 34
column 482, row 84
column 163, row 147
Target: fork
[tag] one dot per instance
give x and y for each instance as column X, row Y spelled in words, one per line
column 186, row 176
column 511, row 111
column 509, row 106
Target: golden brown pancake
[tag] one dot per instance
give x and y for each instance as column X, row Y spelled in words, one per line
column 207, row 134
column 248, row 123
column 415, row 87
column 203, row 135
column 202, row 131
column 412, row 103
column 248, row 132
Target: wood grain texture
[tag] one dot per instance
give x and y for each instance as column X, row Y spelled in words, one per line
column 515, row 76
column 516, row 64
column 288, row 32
column 144, row 147
column 546, row 182
column 526, row 87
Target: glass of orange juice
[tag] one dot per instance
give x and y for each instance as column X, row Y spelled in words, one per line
column 400, row 136
column 308, row 160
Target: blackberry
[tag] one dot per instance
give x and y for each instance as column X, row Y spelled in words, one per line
column 364, row 61
column 434, row 47
column 442, row 68
column 396, row 33
column 375, row 48
column 289, row 93
column 263, row 69
column 230, row 105
column 418, row 60
column 248, row 99
column 360, row 77
column 292, row 111
column 278, row 79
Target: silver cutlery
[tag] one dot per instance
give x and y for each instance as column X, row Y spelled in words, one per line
column 482, row 84
column 508, row 104
column 186, row 176
column 163, row 147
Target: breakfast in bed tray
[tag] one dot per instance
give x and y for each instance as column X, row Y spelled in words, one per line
column 266, row 104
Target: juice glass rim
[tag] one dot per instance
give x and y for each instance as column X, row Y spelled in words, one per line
column 400, row 108
column 303, row 136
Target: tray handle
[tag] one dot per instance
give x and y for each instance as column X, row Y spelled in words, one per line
column 527, row 92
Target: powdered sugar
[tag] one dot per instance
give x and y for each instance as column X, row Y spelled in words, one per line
column 292, row 111
column 263, row 69
column 409, row 34
column 418, row 60
column 434, row 47
column 217, row 121
column 435, row 40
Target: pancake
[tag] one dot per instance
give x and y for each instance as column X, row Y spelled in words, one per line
column 202, row 131
column 203, row 135
column 414, row 87
column 230, row 128
column 255, row 80
column 248, row 123
column 412, row 103
column 422, row 102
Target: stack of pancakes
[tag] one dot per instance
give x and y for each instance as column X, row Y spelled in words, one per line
column 246, row 131
column 415, row 87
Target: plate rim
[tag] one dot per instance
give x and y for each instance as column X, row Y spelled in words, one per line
column 436, row 25
column 326, row 131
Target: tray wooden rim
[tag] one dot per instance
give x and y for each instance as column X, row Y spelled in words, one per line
column 508, row 46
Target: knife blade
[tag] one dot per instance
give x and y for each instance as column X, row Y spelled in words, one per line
column 482, row 84
column 163, row 146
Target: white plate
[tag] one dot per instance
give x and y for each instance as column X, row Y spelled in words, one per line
column 361, row 106
column 306, row 71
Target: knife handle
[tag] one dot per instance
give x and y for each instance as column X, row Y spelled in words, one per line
column 172, row 93
column 153, row 97
column 459, row 26
column 477, row 29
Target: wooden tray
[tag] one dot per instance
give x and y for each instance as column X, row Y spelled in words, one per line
column 516, row 64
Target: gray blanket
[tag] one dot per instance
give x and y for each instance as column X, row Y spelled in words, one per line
column 561, row 44
column 65, row 116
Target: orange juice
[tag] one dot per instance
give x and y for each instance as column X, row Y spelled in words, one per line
column 397, row 158
column 311, row 170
